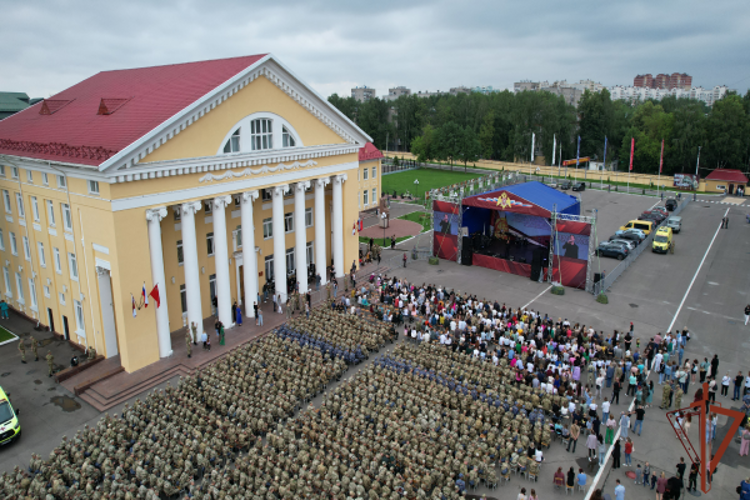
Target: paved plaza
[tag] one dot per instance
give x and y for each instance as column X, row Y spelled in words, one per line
column 702, row 286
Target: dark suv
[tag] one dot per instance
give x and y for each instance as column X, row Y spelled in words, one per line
column 671, row 204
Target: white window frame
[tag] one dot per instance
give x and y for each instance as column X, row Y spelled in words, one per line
column 45, row 178
column 210, row 247
column 374, row 173
column 35, row 208
column 80, row 322
column 268, row 262
column 309, row 217
column 57, row 260
column 32, row 295
column 62, row 299
column 19, row 288
column 266, row 194
column 365, row 198
column 289, row 222
column 261, row 134
column 29, row 176
column 13, row 243
column 290, row 261
column 366, row 174
column 93, row 187
column 183, row 299
column 6, row 276
column 42, row 257
column 62, row 182
column 374, row 195
column 26, row 248
column 180, row 254
column 268, row 228
column 233, row 143
column 6, row 201
column 208, row 207
column 73, row 266
column 237, row 237
column 2, row 240
column 2, row 170
column 14, row 172
column 310, row 253
column 50, row 213
column 46, row 291
column 287, row 139
column 67, row 217
column 21, row 208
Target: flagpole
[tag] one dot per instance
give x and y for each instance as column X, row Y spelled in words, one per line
column 578, row 156
column 632, row 150
column 661, row 162
column 601, row 176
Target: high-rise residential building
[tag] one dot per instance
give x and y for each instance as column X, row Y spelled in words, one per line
column 664, row 81
column 363, row 93
column 634, row 94
column 396, row 92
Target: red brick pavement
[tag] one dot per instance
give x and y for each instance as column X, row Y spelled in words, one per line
column 399, row 227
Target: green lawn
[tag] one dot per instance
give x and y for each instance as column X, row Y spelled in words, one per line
column 5, row 335
column 420, row 218
column 428, row 179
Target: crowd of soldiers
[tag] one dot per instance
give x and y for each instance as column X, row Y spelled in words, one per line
column 474, row 399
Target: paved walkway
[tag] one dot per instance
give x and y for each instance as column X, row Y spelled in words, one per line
column 397, row 227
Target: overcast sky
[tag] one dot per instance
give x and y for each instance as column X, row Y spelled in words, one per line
column 49, row 45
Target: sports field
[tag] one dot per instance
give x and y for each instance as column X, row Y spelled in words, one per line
column 428, row 179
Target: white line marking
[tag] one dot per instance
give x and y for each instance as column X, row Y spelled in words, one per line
column 703, row 260
column 652, row 206
column 532, row 300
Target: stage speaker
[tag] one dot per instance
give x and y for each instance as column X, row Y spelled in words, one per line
column 597, row 277
column 536, row 264
column 467, row 251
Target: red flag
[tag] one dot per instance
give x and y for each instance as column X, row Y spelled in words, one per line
column 155, row 294
column 632, row 150
column 661, row 158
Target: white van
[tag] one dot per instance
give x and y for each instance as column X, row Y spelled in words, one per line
column 675, row 222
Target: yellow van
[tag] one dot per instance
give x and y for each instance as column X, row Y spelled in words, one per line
column 10, row 426
column 644, row 225
column 663, row 240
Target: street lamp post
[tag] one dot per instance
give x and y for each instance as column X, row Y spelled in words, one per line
column 416, row 183
column 383, row 217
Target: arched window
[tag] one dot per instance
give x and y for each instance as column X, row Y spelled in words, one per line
column 233, row 144
column 287, row 138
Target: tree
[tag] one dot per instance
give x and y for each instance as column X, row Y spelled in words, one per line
column 649, row 126
column 347, row 105
column 487, row 135
column 425, row 147
column 469, row 146
column 449, row 142
column 595, row 113
column 726, row 132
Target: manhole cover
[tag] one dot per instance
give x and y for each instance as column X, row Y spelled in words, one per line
column 633, row 305
column 5, row 374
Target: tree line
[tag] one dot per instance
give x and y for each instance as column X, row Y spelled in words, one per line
column 498, row 126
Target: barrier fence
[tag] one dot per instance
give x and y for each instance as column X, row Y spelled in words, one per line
column 603, row 284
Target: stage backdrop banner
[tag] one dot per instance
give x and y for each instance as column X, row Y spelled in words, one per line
column 445, row 246
column 444, row 206
column 572, row 246
column 445, row 223
column 529, row 225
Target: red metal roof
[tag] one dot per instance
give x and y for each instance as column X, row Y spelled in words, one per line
column 137, row 101
column 369, row 152
column 727, row 175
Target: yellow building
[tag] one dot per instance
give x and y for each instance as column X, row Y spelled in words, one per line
column 204, row 180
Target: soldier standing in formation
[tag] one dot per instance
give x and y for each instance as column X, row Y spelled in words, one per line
column 34, row 346
column 50, row 361
column 22, row 349
column 189, row 344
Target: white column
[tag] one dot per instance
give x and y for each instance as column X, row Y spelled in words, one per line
column 190, row 265
column 249, row 259
column 154, row 217
column 279, row 240
column 221, row 258
column 337, row 224
column 300, row 234
column 321, row 263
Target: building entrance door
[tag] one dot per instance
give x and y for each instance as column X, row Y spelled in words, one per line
column 66, row 328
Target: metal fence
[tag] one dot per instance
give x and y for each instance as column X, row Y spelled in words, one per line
column 603, row 284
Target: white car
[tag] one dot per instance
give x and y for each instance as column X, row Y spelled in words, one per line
column 628, row 243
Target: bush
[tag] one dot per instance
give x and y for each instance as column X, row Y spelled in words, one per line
column 434, row 261
column 602, row 299
column 558, row 290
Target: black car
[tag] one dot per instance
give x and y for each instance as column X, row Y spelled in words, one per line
column 579, row 186
column 565, row 185
column 671, row 204
column 609, row 249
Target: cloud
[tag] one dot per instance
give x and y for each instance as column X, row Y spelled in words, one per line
column 335, row 45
